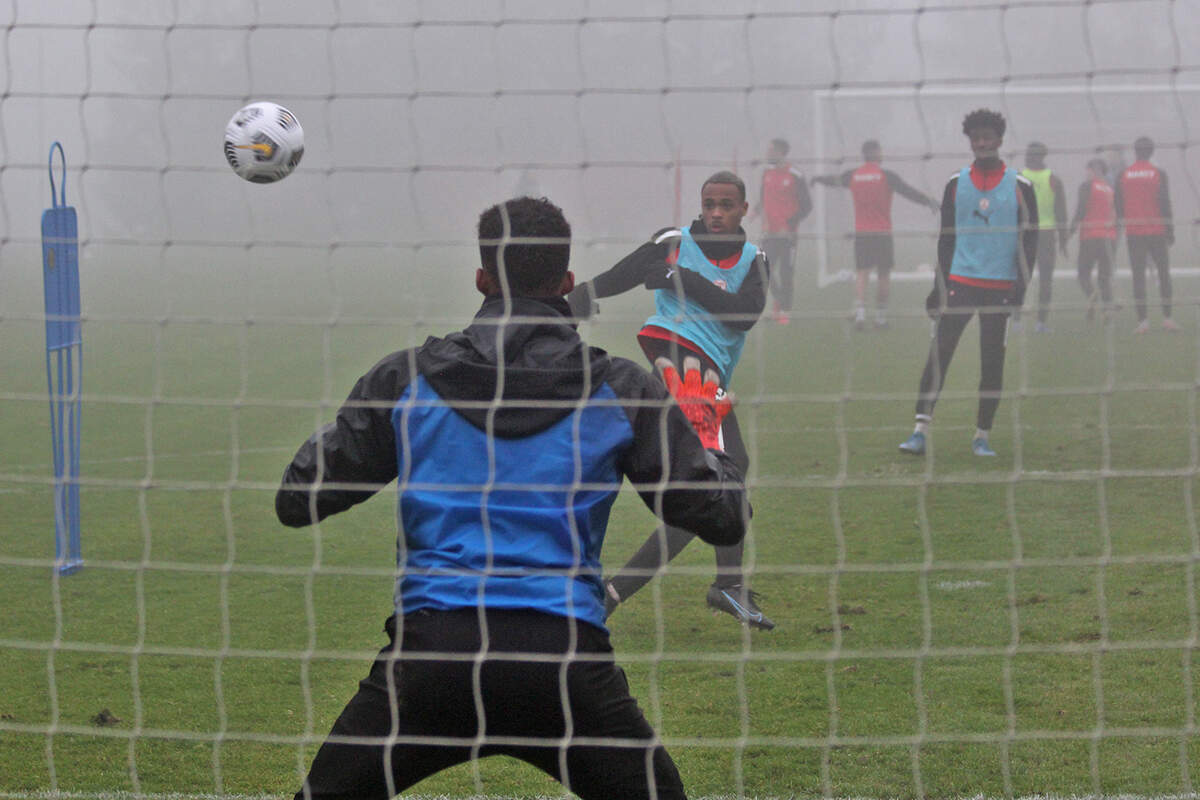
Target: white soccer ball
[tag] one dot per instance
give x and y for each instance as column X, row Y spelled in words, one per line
column 264, row 142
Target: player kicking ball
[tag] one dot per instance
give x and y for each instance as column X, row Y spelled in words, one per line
column 710, row 288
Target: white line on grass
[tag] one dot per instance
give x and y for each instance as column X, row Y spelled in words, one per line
column 954, row 586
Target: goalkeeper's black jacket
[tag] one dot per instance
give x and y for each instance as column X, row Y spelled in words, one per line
column 510, row 440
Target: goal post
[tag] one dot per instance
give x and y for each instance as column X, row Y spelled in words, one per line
column 919, row 129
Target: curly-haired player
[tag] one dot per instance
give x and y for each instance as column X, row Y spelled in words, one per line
column 986, row 248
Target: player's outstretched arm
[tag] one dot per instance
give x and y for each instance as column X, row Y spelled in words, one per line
column 684, row 483
column 626, row 274
column 631, row 271
column 908, row 192
column 351, row 458
column 840, row 181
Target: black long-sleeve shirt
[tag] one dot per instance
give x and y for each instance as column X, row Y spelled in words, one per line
column 541, row 374
column 739, row 310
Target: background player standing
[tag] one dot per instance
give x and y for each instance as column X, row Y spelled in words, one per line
column 987, row 243
column 1052, row 218
column 498, row 643
column 871, row 188
column 783, row 202
column 710, row 286
column 1096, row 220
column 1143, row 204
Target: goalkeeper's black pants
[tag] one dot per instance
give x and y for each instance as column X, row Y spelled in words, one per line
column 667, row 542
column 963, row 302
column 545, row 690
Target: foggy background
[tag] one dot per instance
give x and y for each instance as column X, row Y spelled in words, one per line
column 417, row 115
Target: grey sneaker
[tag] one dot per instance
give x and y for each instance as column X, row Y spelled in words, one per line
column 913, row 445
column 980, row 447
column 739, row 603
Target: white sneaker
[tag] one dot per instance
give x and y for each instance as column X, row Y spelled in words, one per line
column 1170, row 325
column 860, row 318
column 1142, row 327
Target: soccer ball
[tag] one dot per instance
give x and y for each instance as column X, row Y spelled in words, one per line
column 264, row 142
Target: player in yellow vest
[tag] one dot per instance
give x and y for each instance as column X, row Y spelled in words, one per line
column 1052, row 226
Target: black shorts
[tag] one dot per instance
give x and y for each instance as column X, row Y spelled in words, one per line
column 434, row 702
column 874, row 251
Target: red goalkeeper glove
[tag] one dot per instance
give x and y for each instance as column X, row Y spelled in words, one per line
column 705, row 404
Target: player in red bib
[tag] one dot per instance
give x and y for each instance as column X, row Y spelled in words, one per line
column 871, row 189
column 1143, row 205
column 783, row 203
column 1096, row 220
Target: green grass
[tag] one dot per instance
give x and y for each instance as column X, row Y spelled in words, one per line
column 948, row 627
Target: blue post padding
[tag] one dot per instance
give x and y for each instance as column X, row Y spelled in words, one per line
column 64, row 364
column 60, row 264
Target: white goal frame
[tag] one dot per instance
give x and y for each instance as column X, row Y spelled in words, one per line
column 922, row 271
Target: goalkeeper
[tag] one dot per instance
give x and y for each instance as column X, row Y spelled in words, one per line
column 710, row 287
column 510, row 440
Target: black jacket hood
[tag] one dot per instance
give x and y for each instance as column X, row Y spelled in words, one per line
column 533, row 361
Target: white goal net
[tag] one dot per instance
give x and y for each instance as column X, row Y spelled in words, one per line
column 946, row 626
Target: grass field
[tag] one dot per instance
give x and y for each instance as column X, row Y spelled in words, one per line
column 948, row 627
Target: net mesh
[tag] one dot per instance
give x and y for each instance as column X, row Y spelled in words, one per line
column 945, row 628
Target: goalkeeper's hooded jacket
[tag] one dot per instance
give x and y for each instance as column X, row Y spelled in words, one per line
column 509, row 441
